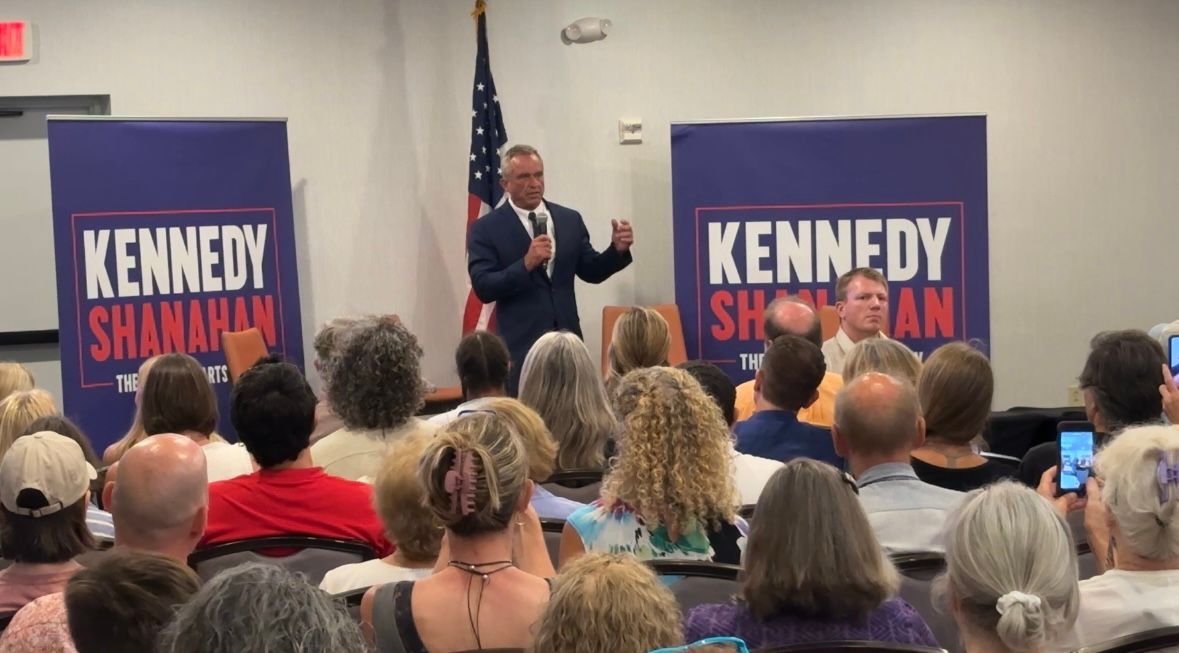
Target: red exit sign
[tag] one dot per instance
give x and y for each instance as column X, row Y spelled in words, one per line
column 14, row 41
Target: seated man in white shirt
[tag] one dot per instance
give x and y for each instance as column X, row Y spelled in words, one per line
column 1133, row 506
column 751, row 472
column 861, row 297
column 483, row 365
column 877, row 424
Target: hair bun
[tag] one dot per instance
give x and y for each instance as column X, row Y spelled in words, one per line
column 1022, row 620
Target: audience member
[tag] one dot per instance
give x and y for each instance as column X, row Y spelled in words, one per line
column 561, row 383
column 608, row 602
column 861, row 297
column 788, row 380
column 399, row 500
column 671, row 492
column 1132, row 519
column 326, row 419
column 14, row 377
column 158, row 494
column 1011, row 571
column 955, row 391
column 1120, row 386
column 880, row 355
column 259, row 608
column 273, row 410
column 177, row 398
column 877, row 425
column 20, row 409
column 541, row 450
column 483, row 365
column 135, row 433
column 794, row 316
column 98, row 521
column 641, row 338
column 374, row 385
column 814, row 572
column 750, row 472
column 121, row 604
column 44, row 491
column 475, row 475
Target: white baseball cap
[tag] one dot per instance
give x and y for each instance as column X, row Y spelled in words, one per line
column 49, row 463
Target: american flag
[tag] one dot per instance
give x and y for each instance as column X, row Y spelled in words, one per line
column 488, row 135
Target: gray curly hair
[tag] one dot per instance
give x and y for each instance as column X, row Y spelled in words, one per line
column 257, row 608
column 374, row 378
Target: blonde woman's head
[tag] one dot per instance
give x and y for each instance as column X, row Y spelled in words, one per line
column 14, row 377
column 641, row 339
column 20, row 409
column 1011, row 568
column 882, row 355
column 608, row 602
column 1140, row 475
column 674, row 455
column 534, row 435
column 400, row 501
column 561, row 383
column 475, row 474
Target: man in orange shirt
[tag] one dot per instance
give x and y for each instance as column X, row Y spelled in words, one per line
column 791, row 315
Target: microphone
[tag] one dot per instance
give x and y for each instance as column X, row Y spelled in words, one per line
column 542, row 224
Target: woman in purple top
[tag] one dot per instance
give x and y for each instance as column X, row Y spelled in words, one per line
column 814, row 571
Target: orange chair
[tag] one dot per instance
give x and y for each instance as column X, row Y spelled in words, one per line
column 242, row 349
column 678, row 352
column 829, row 319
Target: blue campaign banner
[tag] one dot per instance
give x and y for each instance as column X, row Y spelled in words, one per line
column 167, row 233
column 765, row 208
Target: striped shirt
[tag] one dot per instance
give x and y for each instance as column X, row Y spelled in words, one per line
column 100, row 523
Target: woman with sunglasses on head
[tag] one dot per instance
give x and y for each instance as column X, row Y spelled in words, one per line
column 475, row 478
column 814, row 572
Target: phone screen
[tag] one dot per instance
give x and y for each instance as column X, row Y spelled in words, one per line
column 1173, row 356
column 1076, row 459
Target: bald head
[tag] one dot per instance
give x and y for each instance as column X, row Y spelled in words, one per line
column 792, row 316
column 878, row 415
column 160, row 494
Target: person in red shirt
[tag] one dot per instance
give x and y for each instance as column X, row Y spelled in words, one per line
column 273, row 410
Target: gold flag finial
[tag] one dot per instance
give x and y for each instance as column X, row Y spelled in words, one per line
column 480, row 8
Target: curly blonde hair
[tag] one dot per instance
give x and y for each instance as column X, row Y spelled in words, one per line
column 608, row 602
column 674, row 463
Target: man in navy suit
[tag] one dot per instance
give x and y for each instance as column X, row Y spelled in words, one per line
column 529, row 275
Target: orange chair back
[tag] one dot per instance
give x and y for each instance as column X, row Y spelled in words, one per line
column 242, row 349
column 829, row 319
column 678, row 352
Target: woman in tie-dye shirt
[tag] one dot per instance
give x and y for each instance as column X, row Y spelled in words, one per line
column 670, row 493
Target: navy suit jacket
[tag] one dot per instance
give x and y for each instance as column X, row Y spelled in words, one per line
column 530, row 304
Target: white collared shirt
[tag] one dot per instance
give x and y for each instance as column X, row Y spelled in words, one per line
column 837, row 347
column 551, row 228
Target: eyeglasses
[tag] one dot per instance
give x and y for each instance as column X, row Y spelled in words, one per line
column 851, row 481
column 722, row 643
column 475, row 411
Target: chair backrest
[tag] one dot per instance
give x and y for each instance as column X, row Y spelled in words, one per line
column 313, row 556
column 552, row 529
column 918, row 570
column 351, row 601
column 746, row 511
column 828, row 321
column 242, row 349
column 678, row 353
column 1158, row 639
column 580, row 485
column 6, row 619
column 851, row 646
column 696, row 582
column 1086, row 559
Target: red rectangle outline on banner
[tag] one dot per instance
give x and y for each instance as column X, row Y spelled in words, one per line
column 78, row 295
column 699, row 304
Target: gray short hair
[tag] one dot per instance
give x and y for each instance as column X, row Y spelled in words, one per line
column 505, row 162
column 374, row 378
column 1147, row 511
column 258, row 608
column 1011, row 567
column 874, row 423
column 560, row 381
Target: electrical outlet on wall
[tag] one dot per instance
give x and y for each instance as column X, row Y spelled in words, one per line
column 1074, row 396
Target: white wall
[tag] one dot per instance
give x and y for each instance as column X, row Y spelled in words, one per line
column 1080, row 95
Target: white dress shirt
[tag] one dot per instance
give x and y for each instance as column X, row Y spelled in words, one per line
column 550, row 228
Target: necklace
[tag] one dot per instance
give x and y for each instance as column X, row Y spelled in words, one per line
column 478, row 569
